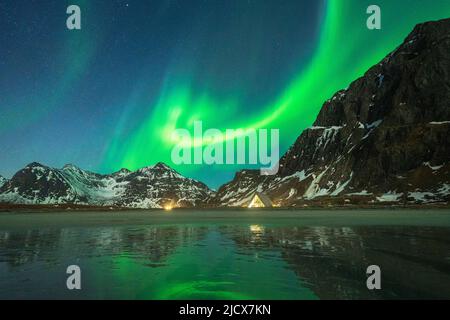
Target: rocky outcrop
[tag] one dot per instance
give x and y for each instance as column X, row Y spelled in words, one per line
column 2, row 181
column 383, row 139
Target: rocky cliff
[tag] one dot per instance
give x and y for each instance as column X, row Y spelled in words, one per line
column 383, row 139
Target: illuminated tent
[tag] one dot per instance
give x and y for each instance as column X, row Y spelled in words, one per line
column 260, row 200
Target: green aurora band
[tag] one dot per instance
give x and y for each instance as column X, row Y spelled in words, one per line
column 345, row 49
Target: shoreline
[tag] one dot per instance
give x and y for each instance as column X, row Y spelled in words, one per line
column 37, row 208
column 191, row 218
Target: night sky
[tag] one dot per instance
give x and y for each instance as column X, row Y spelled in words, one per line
column 109, row 95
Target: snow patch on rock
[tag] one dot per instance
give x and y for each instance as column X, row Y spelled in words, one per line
column 390, row 196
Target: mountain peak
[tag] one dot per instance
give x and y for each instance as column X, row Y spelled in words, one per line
column 121, row 173
column 162, row 165
column 70, row 166
column 35, row 165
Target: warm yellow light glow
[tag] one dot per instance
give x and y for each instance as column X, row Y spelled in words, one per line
column 256, row 203
column 256, row 228
column 168, row 207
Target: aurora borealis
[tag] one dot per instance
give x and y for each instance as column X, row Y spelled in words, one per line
column 109, row 96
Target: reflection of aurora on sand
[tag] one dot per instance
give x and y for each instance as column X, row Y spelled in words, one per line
column 206, row 270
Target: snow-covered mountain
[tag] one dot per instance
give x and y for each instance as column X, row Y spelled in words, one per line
column 149, row 187
column 385, row 139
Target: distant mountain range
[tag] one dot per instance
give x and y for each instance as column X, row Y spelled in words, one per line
column 150, row 187
column 384, row 139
